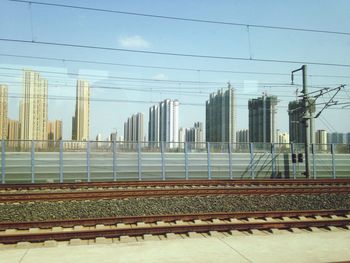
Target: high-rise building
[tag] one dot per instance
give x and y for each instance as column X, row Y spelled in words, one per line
column 13, row 132
column 133, row 128
column 163, row 122
column 153, row 125
column 336, row 137
column 54, row 130
column 242, row 136
column 113, row 136
column 33, row 107
column 195, row 134
column 3, row 111
column 296, row 126
column 220, row 117
column 282, row 137
column 58, row 130
column 50, row 130
column 348, row 138
column 321, row 139
column 81, row 119
column 262, row 112
column 182, row 137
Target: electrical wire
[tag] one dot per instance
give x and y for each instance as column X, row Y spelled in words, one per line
column 186, row 55
column 63, row 60
column 185, row 19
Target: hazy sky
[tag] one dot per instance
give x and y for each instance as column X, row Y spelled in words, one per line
column 119, row 90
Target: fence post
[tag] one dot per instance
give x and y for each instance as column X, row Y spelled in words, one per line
column 230, row 160
column 313, row 161
column 61, row 161
column 139, row 161
column 3, row 163
column 208, row 161
column 162, row 157
column 32, row 158
column 186, row 160
column 88, row 160
column 273, row 160
column 114, row 160
column 251, row 167
column 333, row 161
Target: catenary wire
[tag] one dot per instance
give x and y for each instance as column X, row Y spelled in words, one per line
column 185, row 19
column 186, row 55
column 63, row 60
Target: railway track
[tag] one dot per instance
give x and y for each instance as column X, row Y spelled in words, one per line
column 177, row 183
column 118, row 227
column 115, row 194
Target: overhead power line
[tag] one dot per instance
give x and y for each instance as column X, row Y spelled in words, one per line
column 63, row 60
column 73, row 98
column 12, row 40
column 187, row 83
column 186, row 19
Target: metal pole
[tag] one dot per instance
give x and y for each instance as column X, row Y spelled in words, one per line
column 313, row 161
column 61, row 161
column 88, row 161
column 162, row 158
column 293, row 164
column 333, row 161
column 139, row 168
column 306, row 121
column 114, row 166
column 230, row 160
column 251, row 168
column 306, row 118
column 3, row 163
column 186, row 160
column 208, row 161
column 33, row 161
column 273, row 160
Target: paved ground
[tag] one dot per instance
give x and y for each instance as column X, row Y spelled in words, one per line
column 316, row 246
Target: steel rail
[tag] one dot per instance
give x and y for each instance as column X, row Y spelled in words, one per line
column 177, row 229
column 114, row 194
column 172, row 183
column 168, row 218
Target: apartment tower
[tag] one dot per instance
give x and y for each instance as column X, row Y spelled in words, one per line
column 81, row 119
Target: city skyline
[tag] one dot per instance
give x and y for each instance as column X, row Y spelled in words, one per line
column 33, row 84
column 124, row 82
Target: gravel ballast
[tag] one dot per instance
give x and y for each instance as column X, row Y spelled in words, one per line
column 38, row 211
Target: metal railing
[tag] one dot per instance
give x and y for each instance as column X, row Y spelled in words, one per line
column 72, row 161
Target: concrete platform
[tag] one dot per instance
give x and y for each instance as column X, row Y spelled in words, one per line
column 301, row 247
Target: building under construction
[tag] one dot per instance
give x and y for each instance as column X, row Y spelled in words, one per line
column 262, row 125
column 296, row 114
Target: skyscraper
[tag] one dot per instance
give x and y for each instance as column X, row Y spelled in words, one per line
column 54, row 130
column 164, row 122
column 33, row 107
column 13, row 133
column 195, row 134
column 81, row 119
column 262, row 112
column 242, row 136
column 296, row 126
column 3, row 111
column 58, row 130
column 153, row 125
column 321, row 139
column 220, row 117
column 133, row 128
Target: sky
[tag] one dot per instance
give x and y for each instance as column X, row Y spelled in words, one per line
column 124, row 83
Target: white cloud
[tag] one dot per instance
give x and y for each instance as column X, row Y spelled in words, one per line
column 136, row 42
column 160, row 76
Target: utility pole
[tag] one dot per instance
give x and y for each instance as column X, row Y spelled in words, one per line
column 306, row 118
